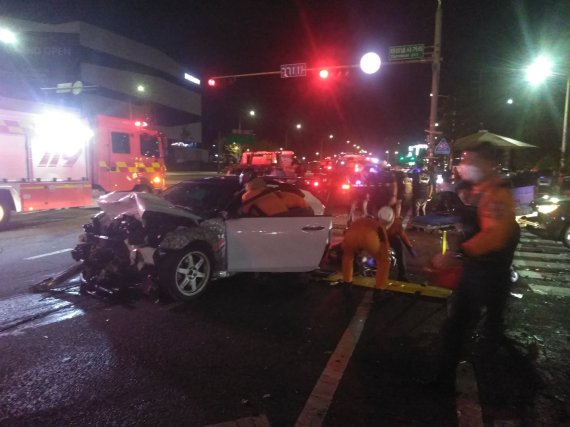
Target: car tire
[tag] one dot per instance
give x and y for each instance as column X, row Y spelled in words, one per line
column 4, row 214
column 185, row 274
column 566, row 236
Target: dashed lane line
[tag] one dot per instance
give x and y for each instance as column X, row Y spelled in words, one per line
column 49, row 254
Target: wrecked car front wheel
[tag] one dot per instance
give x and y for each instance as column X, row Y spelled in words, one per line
column 185, row 274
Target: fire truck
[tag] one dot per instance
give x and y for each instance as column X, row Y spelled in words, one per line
column 52, row 158
column 284, row 160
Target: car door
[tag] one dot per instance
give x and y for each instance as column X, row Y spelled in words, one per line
column 277, row 244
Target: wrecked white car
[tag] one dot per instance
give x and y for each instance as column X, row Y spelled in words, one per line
column 192, row 234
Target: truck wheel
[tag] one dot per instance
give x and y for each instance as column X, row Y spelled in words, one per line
column 5, row 212
column 566, row 236
column 186, row 274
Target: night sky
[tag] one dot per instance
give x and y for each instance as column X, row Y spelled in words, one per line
column 485, row 46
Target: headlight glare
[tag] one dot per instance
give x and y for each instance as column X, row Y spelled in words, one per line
column 546, row 209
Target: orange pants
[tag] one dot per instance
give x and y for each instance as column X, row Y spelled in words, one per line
column 359, row 239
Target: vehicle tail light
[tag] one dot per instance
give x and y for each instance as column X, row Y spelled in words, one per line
column 315, row 183
column 329, row 167
column 156, row 180
column 345, row 186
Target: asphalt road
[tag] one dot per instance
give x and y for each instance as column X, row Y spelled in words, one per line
column 264, row 352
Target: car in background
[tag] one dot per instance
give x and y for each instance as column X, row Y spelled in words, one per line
column 192, row 234
column 551, row 219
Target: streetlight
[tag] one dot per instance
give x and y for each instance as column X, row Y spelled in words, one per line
column 251, row 113
column 298, row 126
column 140, row 88
column 536, row 73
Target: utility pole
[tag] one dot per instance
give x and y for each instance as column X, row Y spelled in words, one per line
column 435, row 68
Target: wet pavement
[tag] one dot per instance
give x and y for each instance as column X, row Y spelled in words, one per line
column 254, row 351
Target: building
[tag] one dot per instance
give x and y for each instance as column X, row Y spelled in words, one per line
column 113, row 75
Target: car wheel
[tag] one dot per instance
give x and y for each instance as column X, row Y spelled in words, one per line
column 4, row 214
column 185, row 274
column 566, row 236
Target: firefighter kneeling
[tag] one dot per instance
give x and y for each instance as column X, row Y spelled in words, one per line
column 368, row 234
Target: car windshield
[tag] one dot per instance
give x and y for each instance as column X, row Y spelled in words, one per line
column 202, row 198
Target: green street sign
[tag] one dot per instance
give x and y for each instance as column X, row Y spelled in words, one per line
column 410, row 51
column 240, row 139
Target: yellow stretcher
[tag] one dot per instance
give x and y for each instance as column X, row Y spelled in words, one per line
column 396, row 286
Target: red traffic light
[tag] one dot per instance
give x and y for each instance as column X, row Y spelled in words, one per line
column 323, row 74
column 211, row 82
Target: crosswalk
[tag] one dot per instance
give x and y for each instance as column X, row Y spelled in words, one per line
column 544, row 265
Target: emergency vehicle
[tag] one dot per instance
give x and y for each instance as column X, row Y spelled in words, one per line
column 284, row 159
column 52, row 158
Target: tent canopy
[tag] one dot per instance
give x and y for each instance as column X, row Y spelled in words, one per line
column 485, row 136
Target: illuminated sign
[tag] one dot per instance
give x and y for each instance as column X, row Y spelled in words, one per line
column 191, row 78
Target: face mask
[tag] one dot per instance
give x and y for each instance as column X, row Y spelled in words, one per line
column 471, row 173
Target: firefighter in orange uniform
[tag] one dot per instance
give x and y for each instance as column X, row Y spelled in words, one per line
column 488, row 254
column 293, row 200
column 368, row 234
column 258, row 200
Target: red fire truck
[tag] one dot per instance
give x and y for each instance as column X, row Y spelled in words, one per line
column 52, row 158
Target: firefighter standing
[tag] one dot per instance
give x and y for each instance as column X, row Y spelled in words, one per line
column 485, row 280
column 368, row 234
column 422, row 187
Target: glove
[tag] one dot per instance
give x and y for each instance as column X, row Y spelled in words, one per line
column 413, row 252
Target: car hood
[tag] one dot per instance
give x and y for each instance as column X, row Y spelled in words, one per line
column 135, row 204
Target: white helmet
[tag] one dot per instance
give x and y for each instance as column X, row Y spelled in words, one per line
column 386, row 215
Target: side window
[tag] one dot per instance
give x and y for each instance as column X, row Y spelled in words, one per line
column 120, row 143
column 150, row 146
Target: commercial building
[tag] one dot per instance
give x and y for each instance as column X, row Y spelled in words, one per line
column 100, row 72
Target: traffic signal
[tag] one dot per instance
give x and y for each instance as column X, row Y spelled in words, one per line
column 212, row 82
column 324, row 73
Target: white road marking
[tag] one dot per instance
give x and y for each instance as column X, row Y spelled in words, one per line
column 553, row 277
column 550, row 290
column 49, row 254
column 553, row 264
column 529, row 254
column 316, row 408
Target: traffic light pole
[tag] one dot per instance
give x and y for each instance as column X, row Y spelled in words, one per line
column 435, row 67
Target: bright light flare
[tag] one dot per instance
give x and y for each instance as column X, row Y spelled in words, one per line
column 323, row 74
column 547, row 209
column 7, row 36
column 370, row 63
column 62, row 132
column 539, row 70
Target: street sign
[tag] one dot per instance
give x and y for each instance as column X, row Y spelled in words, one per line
column 74, row 88
column 77, row 87
column 241, row 139
column 409, row 51
column 442, row 147
column 293, row 70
